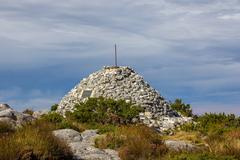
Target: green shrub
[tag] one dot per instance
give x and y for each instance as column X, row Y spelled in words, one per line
column 54, row 107
column 60, row 122
column 105, row 111
column 220, row 131
column 213, row 122
column 184, row 109
column 28, row 111
column 53, row 117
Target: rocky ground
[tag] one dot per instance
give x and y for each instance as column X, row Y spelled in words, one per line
column 82, row 145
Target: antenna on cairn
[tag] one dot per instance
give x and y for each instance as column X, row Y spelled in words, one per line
column 115, row 47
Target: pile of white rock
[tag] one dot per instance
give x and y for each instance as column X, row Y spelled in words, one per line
column 124, row 83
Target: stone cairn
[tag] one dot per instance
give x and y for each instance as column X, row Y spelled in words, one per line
column 125, row 83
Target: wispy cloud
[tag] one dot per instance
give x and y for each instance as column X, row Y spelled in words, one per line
column 185, row 48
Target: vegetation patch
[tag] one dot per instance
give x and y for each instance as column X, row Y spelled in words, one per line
column 220, row 132
column 33, row 141
column 5, row 128
column 134, row 142
column 54, row 107
column 28, row 111
column 62, row 123
column 105, row 111
column 184, row 109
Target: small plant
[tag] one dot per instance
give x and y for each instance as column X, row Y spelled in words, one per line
column 53, row 117
column 60, row 122
column 28, row 111
column 184, row 109
column 54, row 107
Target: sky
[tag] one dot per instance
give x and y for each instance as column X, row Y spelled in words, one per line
column 188, row 49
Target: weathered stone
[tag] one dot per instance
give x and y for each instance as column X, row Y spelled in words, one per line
column 38, row 114
column 180, row 145
column 82, row 145
column 68, row 135
column 7, row 113
column 12, row 117
column 4, row 107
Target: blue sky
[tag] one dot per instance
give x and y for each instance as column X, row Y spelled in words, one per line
column 187, row 49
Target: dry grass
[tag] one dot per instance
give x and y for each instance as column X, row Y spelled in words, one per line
column 235, row 134
column 5, row 128
column 226, row 144
column 192, row 137
column 33, row 141
column 134, row 142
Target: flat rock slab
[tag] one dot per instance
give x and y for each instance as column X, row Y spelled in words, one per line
column 68, row 135
column 180, row 145
column 82, row 145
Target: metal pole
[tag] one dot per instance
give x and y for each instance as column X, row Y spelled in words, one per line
column 115, row 55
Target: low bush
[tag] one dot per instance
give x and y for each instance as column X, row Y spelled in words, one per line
column 134, row 142
column 28, row 111
column 52, row 117
column 54, row 107
column 105, row 111
column 184, row 109
column 60, row 122
column 213, row 122
column 220, row 131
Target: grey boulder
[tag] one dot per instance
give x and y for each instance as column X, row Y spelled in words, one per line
column 12, row 117
column 82, row 145
column 180, row 145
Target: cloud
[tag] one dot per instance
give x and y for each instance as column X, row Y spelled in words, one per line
column 235, row 16
column 185, row 48
column 35, row 99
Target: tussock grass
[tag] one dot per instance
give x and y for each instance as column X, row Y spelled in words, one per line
column 192, row 137
column 5, row 128
column 33, row 141
column 227, row 143
column 134, row 142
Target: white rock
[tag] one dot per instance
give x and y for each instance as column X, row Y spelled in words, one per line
column 82, row 145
